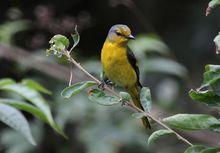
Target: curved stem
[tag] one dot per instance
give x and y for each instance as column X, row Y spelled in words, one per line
column 131, row 105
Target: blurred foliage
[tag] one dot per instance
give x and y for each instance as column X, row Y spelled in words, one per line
column 10, row 28
column 148, row 50
column 90, row 127
column 212, row 4
column 27, row 89
column 217, row 43
column 208, row 93
column 178, row 121
column 60, row 43
column 14, row 143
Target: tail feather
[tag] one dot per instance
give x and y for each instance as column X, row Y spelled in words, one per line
column 134, row 92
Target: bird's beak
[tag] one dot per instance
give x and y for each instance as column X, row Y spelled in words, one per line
column 130, row 37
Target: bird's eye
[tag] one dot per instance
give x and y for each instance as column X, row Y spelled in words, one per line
column 118, row 33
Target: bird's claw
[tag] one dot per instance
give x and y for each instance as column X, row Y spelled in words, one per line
column 123, row 103
column 102, row 86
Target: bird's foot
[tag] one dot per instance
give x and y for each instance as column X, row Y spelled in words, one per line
column 123, row 102
column 105, row 83
column 102, row 85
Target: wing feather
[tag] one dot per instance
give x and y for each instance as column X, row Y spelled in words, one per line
column 132, row 60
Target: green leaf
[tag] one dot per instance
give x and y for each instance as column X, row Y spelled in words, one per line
column 25, row 107
column 145, row 98
column 10, row 28
column 31, row 95
column 215, row 128
column 148, row 44
column 192, row 121
column 211, row 150
column 100, row 97
column 195, row 149
column 6, row 81
column 215, row 85
column 58, row 43
column 209, row 76
column 35, row 98
column 76, row 38
column 76, row 88
column 208, row 97
column 162, row 65
column 125, row 96
column 214, row 68
column 157, row 134
column 59, row 40
column 16, row 120
column 214, row 3
column 138, row 115
column 36, row 86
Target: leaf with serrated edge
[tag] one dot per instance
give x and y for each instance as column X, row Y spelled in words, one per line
column 16, row 120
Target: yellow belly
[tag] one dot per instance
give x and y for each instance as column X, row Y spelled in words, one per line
column 116, row 65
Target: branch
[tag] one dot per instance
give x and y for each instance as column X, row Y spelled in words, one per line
column 59, row 72
column 129, row 104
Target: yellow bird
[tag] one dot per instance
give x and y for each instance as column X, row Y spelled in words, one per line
column 120, row 65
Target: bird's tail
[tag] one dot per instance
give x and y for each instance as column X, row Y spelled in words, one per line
column 134, row 92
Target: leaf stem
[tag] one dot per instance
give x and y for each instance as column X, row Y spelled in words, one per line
column 71, row 75
column 127, row 103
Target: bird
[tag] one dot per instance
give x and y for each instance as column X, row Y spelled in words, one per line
column 120, row 65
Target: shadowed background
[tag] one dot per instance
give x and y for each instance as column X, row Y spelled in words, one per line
column 180, row 44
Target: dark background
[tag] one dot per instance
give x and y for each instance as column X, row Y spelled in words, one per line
column 181, row 25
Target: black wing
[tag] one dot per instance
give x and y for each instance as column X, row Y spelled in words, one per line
column 132, row 60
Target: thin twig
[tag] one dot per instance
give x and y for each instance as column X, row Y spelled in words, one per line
column 131, row 105
column 59, row 72
column 158, row 121
column 71, row 75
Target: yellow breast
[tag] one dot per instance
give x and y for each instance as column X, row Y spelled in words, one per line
column 116, row 65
